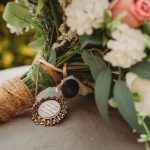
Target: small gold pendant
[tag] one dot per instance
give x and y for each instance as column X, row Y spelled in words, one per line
column 49, row 111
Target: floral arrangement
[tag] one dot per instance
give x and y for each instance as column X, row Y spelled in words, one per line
column 102, row 45
column 13, row 49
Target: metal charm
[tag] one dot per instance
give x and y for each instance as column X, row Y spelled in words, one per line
column 71, row 87
column 49, row 111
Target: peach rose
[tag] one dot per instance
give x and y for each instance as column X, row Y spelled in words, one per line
column 138, row 11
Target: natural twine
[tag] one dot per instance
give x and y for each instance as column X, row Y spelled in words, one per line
column 15, row 98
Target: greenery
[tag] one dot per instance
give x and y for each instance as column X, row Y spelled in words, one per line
column 14, row 50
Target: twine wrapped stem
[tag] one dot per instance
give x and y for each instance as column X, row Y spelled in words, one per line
column 15, row 97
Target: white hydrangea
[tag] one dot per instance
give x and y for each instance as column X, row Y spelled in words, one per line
column 127, row 47
column 17, row 30
column 83, row 15
column 142, row 87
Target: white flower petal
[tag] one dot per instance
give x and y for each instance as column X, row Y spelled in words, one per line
column 142, row 87
column 84, row 15
column 127, row 47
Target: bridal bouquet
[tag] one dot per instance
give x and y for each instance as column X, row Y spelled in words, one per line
column 84, row 46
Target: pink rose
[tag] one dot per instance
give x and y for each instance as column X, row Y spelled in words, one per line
column 138, row 11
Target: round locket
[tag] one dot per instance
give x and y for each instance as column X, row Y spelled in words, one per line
column 49, row 111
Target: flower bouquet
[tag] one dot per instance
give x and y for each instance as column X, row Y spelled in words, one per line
column 84, row 46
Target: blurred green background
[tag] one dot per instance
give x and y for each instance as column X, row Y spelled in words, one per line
column 14, row 50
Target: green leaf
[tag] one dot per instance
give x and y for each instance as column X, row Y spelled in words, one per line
column 142, row 69
column 147, row 37
column 89, row 39
column 117, row 21
column 125, row 104
column 147, row 27
column 104, row 39
column 39, row 6
column 95, row 63
column 102, row 92
column 17, row 15
column 52, row 57
column 147, row 121
column 38, row 44
column 107, row 17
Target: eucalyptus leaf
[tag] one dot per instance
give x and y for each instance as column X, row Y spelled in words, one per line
column 146, row 27
column 125, row 104
column 89, row 39
column 142, row 69
column 147, row 37
column 102, row 92
column 38, row 44
column 17, row 15
column 147, row 121
column 95, row 63
column 52, row 57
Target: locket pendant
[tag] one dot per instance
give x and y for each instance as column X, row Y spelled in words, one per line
column 49, row 111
